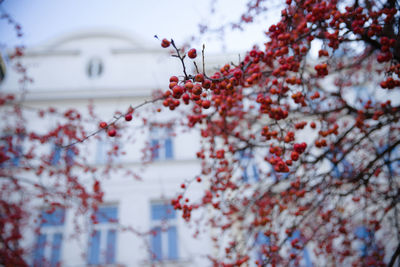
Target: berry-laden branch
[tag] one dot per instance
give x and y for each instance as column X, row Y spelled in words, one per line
column 110, row 126
column 288, row 116
column 297, row 150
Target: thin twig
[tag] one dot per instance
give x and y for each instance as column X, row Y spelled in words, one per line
column 113, row 122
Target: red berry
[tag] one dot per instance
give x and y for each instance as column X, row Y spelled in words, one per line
column 112, row 132
column 165, row 43
column 199, row 78
column 206, row 84
column 197, row 90
column 238, row 74
column 189, row 85
column 294, row 156
column 177, row 90
column 206, row 104
column 186, row 98
column 128, row 117
column 103, row 124
column 192, row 53
column 173, row 79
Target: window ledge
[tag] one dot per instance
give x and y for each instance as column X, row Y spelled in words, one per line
column 107, row 265
column 168, row 263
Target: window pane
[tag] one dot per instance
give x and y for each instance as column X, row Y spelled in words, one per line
column 162, row 212
column 244, row 161
column 17, row 156
column 11, row 149
column 307, row 259
column 156, row 248
column 54, row 218
column 362, row 232
column 94, row 248
column 56, row 250
column 168, row 148
column 155, row 149
column 39, row 251
column 70, row 155
column 172, row 243
column 101, row 154
column 107, row 214
column 110, row 250
column 55, row 157
column 255, row 173
column 365, row 235
column 250, row 172
column 262, row 241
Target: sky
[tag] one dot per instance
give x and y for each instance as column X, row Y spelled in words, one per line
column 43, row 20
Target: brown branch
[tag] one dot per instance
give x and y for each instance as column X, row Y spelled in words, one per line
column 394, row 256
column 181, row 58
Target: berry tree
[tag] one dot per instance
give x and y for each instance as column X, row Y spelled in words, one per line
column 300, row 141
column 319, row 135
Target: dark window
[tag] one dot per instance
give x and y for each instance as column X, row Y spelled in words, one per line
column 95, row 68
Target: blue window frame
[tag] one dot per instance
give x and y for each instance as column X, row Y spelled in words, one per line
column 162, row 212
column 11, row 150
column 94, row 248
column 38, row 257
column 103, row 239
column 155, row 144
column 164, row 238
column 306, row 256
column 161, row 143
column 48, row 246
column 367, row 237
column 249, row 167
column 60, row 153
column 156, row 246
column 260, row 244
column 56, row 249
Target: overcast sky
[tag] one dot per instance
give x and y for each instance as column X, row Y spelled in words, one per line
column 43, row 20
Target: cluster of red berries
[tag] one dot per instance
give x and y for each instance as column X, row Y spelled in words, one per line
column 111, row 128
column 186, row 209
column 322, row 69
column 187, row 91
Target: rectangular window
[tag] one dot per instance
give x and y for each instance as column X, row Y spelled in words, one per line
column 48, row 246
column 161, row 143
column 103, row 239
column 249, row 167
column 108, row 149
column 261, row 244
column 60, row 154
column 164, row 238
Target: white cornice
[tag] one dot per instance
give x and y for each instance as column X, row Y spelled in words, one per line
column 134, row 41
column 38, row 95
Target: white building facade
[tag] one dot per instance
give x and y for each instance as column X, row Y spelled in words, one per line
column 136, row 225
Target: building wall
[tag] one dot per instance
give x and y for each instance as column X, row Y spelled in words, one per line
column 123, row 71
